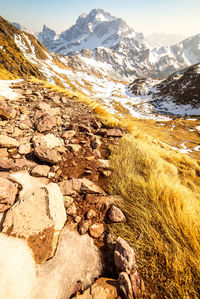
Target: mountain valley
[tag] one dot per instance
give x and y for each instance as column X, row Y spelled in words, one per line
column 99, row 138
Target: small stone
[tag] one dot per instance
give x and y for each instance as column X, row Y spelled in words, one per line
column 106, row 173
column 96, row 124
column 23, row 126
column 45, row 123
column 40, row 171
column 88, row 186
column 114, row 133
column 124, row 285
column 16, row 156
column 8, row 142
column 104, row 163
column 78, row 219
column 8, row 192
column 83, row 226
column 3, row 153
column 96, row 230
column 91, row 214
column 68, row 200
column 70, row 187
column 51, row 175
column 116, row 215
column 24, row 149
column 95, row 143
column 68, row 134
column 83, row 128
column 6, row 164
column 9, row 129
column 18, row 133
column 45, row 154
column 56, row 99
column 48, row 140
column 7, row 112
column 73, row 147
column 71, row 210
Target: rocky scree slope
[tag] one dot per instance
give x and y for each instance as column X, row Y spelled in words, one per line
column 178, row 95
column 53, row 155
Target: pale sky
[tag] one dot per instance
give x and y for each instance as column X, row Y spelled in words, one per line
column 146, row 16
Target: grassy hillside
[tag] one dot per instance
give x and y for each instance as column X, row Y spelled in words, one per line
column 13, row 64
column 161, row 200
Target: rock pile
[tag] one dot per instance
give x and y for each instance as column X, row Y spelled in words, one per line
column 53, row 151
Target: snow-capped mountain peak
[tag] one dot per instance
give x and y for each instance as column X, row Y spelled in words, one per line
column 96, row 29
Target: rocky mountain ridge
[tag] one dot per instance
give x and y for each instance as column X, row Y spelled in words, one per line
column 178, row 95
column 112, row 42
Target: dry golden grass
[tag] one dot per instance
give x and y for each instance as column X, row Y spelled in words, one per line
column 162, row 211
column 5, row 75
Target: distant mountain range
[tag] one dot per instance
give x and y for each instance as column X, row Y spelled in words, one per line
column 94, row 72
column 99, row 38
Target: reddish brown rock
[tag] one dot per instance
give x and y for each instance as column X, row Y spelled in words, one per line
column 124, row 257
column 6, row 164
column 21, row 163
column 24, row 149
column 91, row 214
column 70, row 187
column 114, row 133
column 8, row 192
column 3, row 153
column 45, row 154
column 45, row 123
column 7, row 112
column 71, row 210
column 40, row 171
column 69, row 134
column 8, row 142
column 116, row 215
column 84, row 226
column 96, row 230
column 88, row 186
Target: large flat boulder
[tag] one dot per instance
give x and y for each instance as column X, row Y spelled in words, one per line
column 39, row 218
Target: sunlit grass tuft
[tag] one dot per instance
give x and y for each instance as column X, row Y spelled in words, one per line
column 162, row 211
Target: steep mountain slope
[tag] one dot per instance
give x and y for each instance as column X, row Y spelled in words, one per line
column 12, row 60
column 179, row 94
